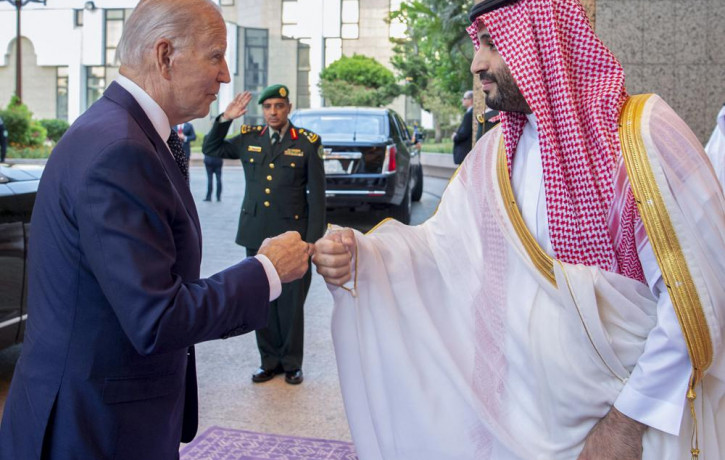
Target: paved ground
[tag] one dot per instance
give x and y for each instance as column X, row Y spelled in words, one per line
column 227, row 397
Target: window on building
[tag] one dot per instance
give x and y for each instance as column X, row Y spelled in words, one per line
column 77, row 18
column 350, row 18
column 114, row 29
column 303, row 75
column 61, row 93
column 331, row 18
column 397, row 27
column 256, row 58
column 95, row 84
column 290, row 18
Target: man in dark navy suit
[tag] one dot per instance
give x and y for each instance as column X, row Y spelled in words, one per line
column 461, row 138
column 115, row 301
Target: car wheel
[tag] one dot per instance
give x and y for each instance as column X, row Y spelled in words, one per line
column 402, row 211
column 418, row 189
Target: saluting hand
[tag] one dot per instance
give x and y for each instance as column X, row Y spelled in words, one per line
column 289, row 254
column 238, row 106
column 333, row 256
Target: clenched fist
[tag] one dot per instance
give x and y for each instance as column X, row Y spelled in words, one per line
column 289, row 255
column 333, row 256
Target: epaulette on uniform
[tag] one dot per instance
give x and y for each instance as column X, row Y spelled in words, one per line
column 245, row 129
column 312, row 137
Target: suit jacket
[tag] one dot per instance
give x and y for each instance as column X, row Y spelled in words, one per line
column 115, row 301
column 285, row 182
column 188, row 130
column 462, row 142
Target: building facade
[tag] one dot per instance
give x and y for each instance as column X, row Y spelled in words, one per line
column 282, row 41
column 68, row 50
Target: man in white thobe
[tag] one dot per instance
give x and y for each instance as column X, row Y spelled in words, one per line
column 715, row 147
column 566, row 300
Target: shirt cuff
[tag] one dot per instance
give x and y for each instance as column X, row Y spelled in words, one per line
column 656, row 413
column 275, row 284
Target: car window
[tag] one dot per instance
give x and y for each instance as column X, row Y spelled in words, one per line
column 394, row 129
column 341, row 124
column 403, row 128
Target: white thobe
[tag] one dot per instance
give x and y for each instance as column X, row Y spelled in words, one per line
column 653, row 393
column 715, row 147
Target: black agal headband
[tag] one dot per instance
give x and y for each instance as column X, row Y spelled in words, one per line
column 485, row 6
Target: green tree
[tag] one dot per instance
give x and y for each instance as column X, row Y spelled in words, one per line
column 358, row 80
column 435, row 57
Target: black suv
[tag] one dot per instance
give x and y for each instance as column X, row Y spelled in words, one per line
column 370, row 158
column 18, row 187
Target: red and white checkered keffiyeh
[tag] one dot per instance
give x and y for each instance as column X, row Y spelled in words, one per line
column 575, row 88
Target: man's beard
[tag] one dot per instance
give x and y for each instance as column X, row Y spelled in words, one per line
column 508, row 97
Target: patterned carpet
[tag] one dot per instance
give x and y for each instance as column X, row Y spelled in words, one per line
column 225, row 444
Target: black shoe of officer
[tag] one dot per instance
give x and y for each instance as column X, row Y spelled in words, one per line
column 294, row 377
column 263, row 375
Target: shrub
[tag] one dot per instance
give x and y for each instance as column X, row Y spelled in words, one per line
column 17, row 125
column 41, row 151
column 55, row 128
column 22, row 130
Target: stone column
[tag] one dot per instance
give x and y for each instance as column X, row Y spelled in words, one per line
column 479, row 105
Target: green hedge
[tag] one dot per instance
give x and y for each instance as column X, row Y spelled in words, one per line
column 42, row 151
column 55, row 127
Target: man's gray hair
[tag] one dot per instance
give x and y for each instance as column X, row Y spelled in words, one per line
column 468, row 94
column 152, row 20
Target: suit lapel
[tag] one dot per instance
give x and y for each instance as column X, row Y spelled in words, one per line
column 120, row 96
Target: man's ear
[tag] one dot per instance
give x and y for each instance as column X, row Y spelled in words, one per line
column 162, row 51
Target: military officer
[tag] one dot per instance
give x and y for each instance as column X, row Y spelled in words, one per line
column 285, row 190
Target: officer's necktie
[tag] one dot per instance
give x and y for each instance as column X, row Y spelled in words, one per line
column 275, row 138
column 177, row 150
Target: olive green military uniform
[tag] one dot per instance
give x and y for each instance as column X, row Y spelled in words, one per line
column 285, row 190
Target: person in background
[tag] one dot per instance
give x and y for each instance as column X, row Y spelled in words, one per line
column 3, row 141
column 715, row 147
column 213, row 167
column 462, row 137
column 285, row 190
column 567, row 299
column 187, row 135
column 115, row 297
column 486, row 121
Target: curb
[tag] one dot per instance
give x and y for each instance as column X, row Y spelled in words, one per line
column 438, row 164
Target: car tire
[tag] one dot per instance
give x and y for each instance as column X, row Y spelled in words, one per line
column 418, row 189
column 403, row 211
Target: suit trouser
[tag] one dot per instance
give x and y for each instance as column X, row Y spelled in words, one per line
column 280, row 343
column 211, row 171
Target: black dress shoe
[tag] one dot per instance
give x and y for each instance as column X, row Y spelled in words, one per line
column 294, row 377
column 207, row 199
column 263, row 375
